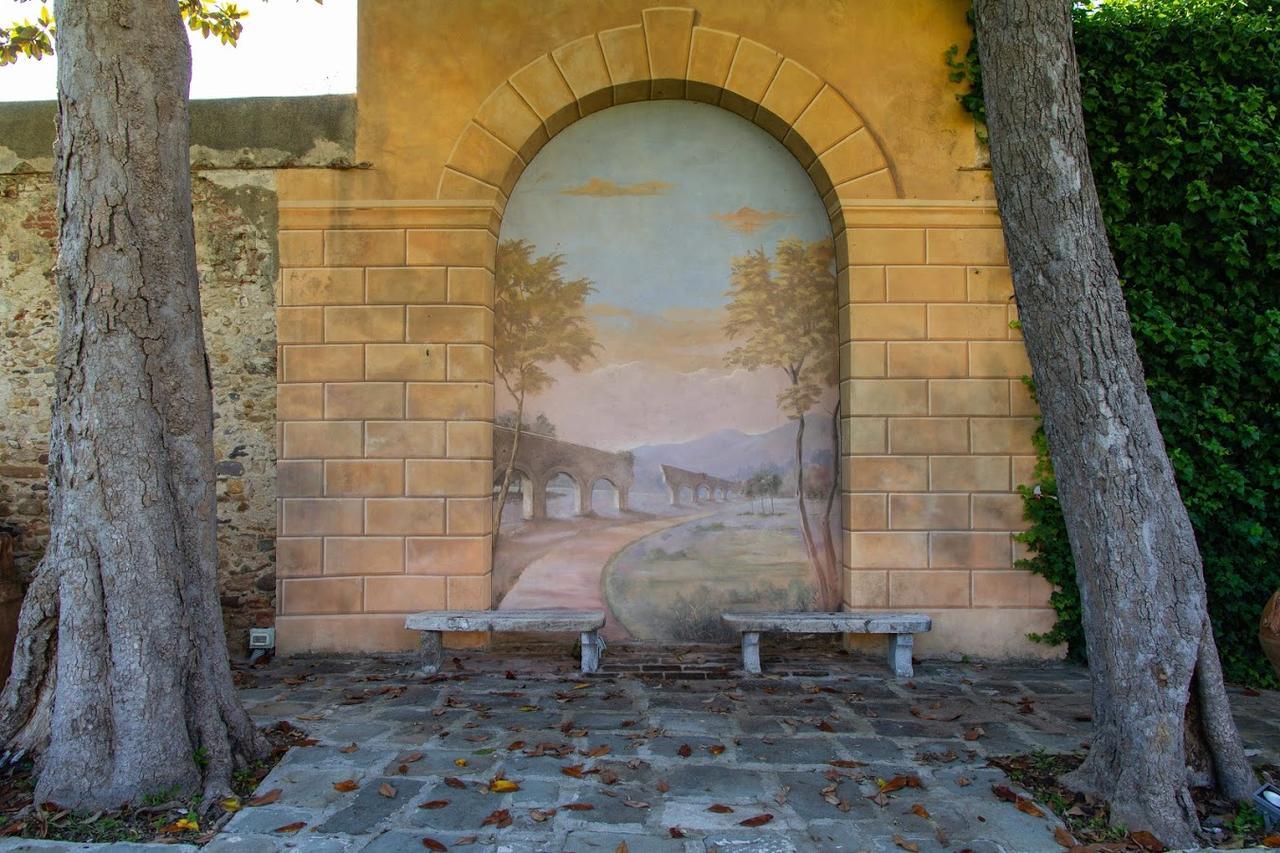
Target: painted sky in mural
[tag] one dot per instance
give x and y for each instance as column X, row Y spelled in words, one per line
column 654, row 219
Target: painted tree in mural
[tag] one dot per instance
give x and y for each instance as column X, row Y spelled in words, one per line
column 1160, row 712
column 539, row 318
column 121, row 684
column 784, row 310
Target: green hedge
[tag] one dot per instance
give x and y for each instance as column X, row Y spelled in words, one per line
column 1182, row 109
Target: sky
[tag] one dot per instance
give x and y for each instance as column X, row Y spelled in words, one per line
column 289, row 47
column 651, row 202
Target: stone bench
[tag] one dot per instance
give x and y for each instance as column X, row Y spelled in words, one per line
column 433, row 623
column 899, row 626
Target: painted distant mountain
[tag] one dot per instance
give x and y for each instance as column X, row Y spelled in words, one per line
column 734, row 455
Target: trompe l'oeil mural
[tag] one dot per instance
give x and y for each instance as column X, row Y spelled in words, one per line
column 666, row 368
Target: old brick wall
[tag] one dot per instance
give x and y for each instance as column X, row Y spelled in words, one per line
column 236, row 220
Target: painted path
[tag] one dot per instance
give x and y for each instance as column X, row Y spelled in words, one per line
column 571, row 574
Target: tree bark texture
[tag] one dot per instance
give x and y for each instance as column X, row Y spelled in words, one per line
column 121, row 682
column 1151, row 649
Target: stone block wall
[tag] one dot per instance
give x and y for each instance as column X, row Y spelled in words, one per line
column 939, row 424
column 385, row 330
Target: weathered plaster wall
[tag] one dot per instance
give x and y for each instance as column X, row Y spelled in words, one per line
column 421, row 82
column 236, row 246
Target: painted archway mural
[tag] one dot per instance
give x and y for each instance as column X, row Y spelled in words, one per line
column 666, row 322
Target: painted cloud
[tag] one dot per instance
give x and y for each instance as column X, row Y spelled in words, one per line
column 608, row 189
column 748, row 220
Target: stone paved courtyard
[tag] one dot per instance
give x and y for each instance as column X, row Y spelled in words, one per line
column 655, row 745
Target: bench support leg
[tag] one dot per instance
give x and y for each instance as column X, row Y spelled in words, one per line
column 751, row 652
column 432, row 652
column 900, row 654
column 592, row 645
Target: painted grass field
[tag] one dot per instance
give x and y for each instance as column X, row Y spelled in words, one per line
column 675, row 583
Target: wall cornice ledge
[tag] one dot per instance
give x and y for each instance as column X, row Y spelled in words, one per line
column 299, row 215
column 915, row 213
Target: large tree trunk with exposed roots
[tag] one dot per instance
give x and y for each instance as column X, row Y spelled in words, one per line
column 1161, row 719
column 121, row 684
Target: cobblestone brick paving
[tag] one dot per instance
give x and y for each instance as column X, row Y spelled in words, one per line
column 682, row 745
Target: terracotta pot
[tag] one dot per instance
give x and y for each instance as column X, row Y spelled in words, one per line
column 1269, row 631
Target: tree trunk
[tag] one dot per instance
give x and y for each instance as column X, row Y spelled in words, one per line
column 806, row 530
column 501, row 502
column 832, row 568
column 1151, row 649
column 121, row 682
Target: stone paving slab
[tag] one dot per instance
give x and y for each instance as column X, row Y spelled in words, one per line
column 676, row 746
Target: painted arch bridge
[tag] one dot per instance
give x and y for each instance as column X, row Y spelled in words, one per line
column 540, row 459
column 702, row 486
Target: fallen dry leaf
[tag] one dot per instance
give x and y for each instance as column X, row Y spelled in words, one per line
column 897, row 783
column 386, row 790
column 573, row 770
column 1147, row 841
column 635, row 804
column 432, row 844
column 291, row 827
column 758, row 820
column 503, row 786
column 578, row 807
column 846, row 763
column 920, row 811
column 596, row 752
column 350, row 748
column 266, row 799
column 662, row 786
column 719, row 808
column 906, row 845
column 434, row 804
column 684, row 751
column 716, row 749
column 455, row 782
column 1027, row 807
column 621, row 848
column 346, row 785
column 675, row 832
column 1271, row 841
column 974, row 733
column 501, row 818
column 1066, row 839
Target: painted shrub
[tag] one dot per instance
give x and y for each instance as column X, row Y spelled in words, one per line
column 666, row 357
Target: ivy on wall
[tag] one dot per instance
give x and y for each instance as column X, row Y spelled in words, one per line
column 1182, row 108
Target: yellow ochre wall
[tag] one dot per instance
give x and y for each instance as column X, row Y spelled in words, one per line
column 385, row 312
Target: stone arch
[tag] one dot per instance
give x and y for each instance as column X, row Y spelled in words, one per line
column 582, row 499
column 668, row 55
column 619, row 497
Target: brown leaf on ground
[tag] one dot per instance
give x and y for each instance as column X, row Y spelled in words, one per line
column 758, row 820
column 916, row 712
column 432, row 844
column 897, row 783
column 291, row 827
column 846, row 763
column 974, row 733
column 910, row 846
column 455, row 782
column 635, row 804
column 266, row 799
column 386, row 790
column 596, row 752
column 541, row 816
column 434, row 804
column 684, row 751
column 345, row 786
column 1147, row 841
column 578, row 807
column 349, row 748
column 515, row 745
column 621, row 848
column 1027, row 807
column 716, row 749
column 719, row 808
column 662, row 786
column 573, row 770
column 964, row 781
column 675, row 832
column 501, row 818
column 920, row 811
column 1066, row 839
column 1005, row 793
column 824, row 726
